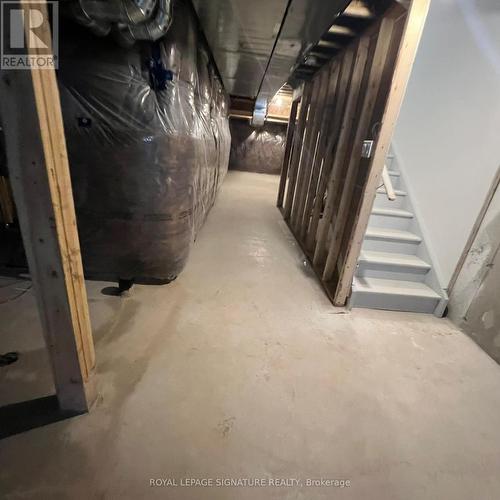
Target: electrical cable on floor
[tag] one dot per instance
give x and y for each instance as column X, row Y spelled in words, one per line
column 19, row 295
column 12, row 284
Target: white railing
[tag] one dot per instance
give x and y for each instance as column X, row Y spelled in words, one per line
column 389, row 189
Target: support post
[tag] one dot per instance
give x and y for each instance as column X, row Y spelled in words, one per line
column 39, row 173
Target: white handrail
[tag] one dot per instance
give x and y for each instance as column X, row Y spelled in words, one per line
column 386, row 179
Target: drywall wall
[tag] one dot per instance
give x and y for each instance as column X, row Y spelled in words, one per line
column 475, row 299
column 446, row 139
column 257, row 149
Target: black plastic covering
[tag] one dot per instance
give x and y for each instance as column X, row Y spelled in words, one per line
column 148, row 140
column 258, row 149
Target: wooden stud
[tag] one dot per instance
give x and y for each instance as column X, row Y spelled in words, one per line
column 311, row 142
column 365, row 119
column 326, row 119
column 408, row 48
column 288, row 150
column 327, row 172
column 348, row 122
column 38, row 164
column 297, row 150
column 302, row 169
column 333, row 136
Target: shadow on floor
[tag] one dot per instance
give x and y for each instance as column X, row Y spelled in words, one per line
column 20, row 417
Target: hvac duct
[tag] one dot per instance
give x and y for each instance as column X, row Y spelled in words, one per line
column 151, row 30
column 131, row 19
column 118, row 11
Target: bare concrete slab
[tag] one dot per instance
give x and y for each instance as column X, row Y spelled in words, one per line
column 242, row 369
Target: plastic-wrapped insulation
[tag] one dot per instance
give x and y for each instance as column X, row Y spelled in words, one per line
column 152, row 29
column 131, row 20
column 117, row 11
column 148, row 140
column 257, row 149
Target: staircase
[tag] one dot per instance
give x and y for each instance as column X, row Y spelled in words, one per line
column 394, row 269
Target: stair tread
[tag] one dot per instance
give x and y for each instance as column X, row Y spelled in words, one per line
column 392, row 234
column 393, row 259
column 392, row 212
column 381, row 190
column 394, row 287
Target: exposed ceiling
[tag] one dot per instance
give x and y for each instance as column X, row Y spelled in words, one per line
column 257, row 44
column 241, row 34
column 351, row 23
column 305, row 22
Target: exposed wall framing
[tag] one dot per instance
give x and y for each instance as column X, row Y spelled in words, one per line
column 7, row 210
column 327, row 187
column 41, row 183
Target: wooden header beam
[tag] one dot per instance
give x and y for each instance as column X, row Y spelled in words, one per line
column 39, row 173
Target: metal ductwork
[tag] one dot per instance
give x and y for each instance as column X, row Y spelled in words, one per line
column 259, row 113
column 152, row 29
column 131, row 20
column 258, row 44
column 118, row 11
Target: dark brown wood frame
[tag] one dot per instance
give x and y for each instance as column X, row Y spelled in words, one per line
column 41, row 183
column 328, row 187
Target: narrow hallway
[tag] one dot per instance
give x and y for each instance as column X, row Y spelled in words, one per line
column 209, row 378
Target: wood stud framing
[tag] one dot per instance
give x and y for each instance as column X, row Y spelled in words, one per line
column 288, row 151
column 297, row 150
column 327, row 188
column 362, row 127
column 39, row 172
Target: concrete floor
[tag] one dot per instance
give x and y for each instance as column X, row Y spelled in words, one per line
column 243, row 369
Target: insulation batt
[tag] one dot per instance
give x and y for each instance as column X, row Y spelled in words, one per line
column 257, row 149
column 148, row 141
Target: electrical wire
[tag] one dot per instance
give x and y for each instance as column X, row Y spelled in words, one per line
column 19, row 295
column 12, row 284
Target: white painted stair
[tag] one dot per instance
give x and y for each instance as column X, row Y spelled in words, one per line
column 394, row 270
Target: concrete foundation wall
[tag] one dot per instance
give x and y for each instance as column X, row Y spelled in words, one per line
column 447, row 136
column 475, row 300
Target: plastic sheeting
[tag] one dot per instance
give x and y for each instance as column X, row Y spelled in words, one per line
column 148, row 140
column 257, row 149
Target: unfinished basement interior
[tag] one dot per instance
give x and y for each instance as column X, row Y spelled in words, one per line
column 249, row 250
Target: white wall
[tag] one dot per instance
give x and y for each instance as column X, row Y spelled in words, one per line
column 448, row 137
